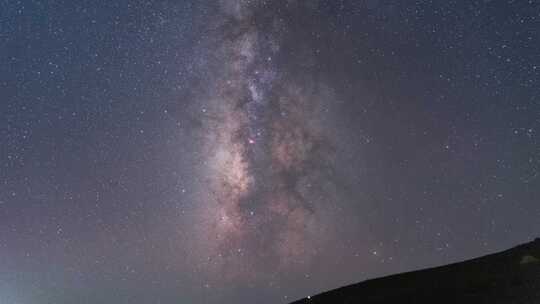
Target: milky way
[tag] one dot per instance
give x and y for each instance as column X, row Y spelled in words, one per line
column 267, row 161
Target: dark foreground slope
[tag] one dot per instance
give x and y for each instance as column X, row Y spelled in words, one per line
column 511, row 276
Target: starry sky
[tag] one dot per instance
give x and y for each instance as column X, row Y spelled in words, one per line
column 237, row 151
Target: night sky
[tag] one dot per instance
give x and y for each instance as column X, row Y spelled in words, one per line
column 260, row 151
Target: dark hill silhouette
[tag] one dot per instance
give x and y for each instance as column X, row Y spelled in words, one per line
column 511, row 276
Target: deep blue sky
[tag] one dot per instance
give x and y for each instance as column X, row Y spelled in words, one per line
column 259, row 151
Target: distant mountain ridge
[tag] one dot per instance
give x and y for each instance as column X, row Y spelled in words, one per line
column 511, row 276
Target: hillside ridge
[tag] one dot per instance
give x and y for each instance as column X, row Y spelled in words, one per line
column 509, row 276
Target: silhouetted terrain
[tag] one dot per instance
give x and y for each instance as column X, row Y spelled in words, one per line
column 511, row 276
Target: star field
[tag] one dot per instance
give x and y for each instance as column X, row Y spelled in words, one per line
column 260, row 151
